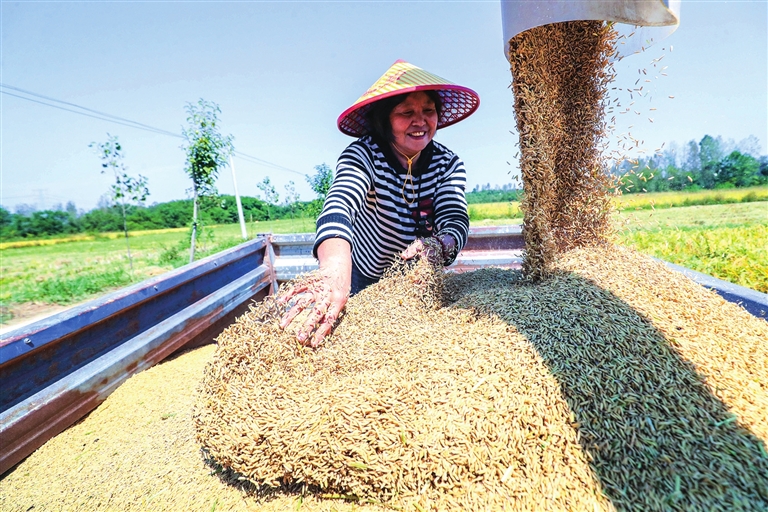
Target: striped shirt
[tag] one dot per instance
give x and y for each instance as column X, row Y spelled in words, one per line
column 371, row 205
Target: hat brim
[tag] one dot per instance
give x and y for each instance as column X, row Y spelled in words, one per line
column 459, row 102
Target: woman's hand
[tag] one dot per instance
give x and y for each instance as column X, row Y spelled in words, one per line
column 434, row 249
column 326, row 293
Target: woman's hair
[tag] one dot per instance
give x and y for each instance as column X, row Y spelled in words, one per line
column 378, row 114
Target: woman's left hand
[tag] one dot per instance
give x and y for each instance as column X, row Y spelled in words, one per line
column 433, row 249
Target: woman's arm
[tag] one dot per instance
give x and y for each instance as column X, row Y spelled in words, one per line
column 451, row 213
column 326, row 294
column 451, row 218
column 335, row 257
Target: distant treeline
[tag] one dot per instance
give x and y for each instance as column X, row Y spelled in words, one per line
column 712, row 163
column 64, row 220
column 174, row 214
column 493, row 196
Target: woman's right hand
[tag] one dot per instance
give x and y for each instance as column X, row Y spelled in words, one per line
column 326, row 292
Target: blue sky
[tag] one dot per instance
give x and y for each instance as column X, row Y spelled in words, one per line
column 282, row 72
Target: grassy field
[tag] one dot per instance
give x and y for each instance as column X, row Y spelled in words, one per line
column 727, row 241
column 699, row 198
column 651, row 201
column 68, row 270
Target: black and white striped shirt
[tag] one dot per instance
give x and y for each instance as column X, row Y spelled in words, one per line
column 371, row 205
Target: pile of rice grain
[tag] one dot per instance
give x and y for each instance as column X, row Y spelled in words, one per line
column 615, row 382
column 406, row 401
column 137, row 451
column 560, row 78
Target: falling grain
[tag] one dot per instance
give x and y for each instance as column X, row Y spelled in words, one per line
column 560, row 78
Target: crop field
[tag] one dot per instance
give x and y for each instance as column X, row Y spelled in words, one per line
column 698, row 198
column 650, row 201
column 727, row 241
column 68, row 270
column 495, row 211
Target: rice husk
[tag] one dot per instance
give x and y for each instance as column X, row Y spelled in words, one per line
column 614, row 384
column 596, row 379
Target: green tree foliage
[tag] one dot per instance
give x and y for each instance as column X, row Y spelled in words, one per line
column 738, row 170
column 271, row 197
column 291, row 200
column 493, row 196
column 6, row 224
column 126, row 189
column 207, row 151
column 321, row 183
column 710, row 153
column 708, row 164
column 763, row 161
column 108, row 217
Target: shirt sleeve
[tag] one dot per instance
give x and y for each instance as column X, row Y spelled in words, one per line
column 451, row 215
column 346, row 195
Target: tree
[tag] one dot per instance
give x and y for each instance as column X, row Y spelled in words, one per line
column 763, row 172
column 291, row 197
column 207, row 151
column 271, row 196
column 71, row 209
column 690, row 167
column 321, row 183
column 749, row 146
column 25, row 210
column 6, row 223
column 710, row 153
column 738, row 170
column 125, row 187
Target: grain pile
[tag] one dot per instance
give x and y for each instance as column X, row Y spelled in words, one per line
column 560, row 78
column 137, row 451
column 613, row 383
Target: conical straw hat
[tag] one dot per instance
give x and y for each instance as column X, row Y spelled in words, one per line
column 403, row 78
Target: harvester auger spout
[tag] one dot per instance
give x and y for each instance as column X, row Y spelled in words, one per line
column 649, row 20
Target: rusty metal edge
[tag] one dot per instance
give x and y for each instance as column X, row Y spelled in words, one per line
column 28, row 425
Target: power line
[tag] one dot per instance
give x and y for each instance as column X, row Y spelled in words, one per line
column 101, row 115
column 81, row 113
column 264, row 162
column 110, row 118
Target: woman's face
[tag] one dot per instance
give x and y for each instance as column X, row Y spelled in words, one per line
column 414, row 122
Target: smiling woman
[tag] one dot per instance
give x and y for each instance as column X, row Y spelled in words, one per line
column 397, row 194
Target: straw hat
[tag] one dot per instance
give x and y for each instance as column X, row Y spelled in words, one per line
column 403, row 78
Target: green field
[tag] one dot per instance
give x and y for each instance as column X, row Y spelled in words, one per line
column 727, row 241
column 68, row 270
column 483, row 212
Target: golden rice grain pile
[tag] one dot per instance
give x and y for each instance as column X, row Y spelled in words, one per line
column 612, row 384
column 137, row 451
column 560, row 77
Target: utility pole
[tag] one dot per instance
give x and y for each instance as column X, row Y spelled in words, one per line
column 237, row 200
column 41, row 193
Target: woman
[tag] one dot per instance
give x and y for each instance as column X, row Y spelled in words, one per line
column 396, row 193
